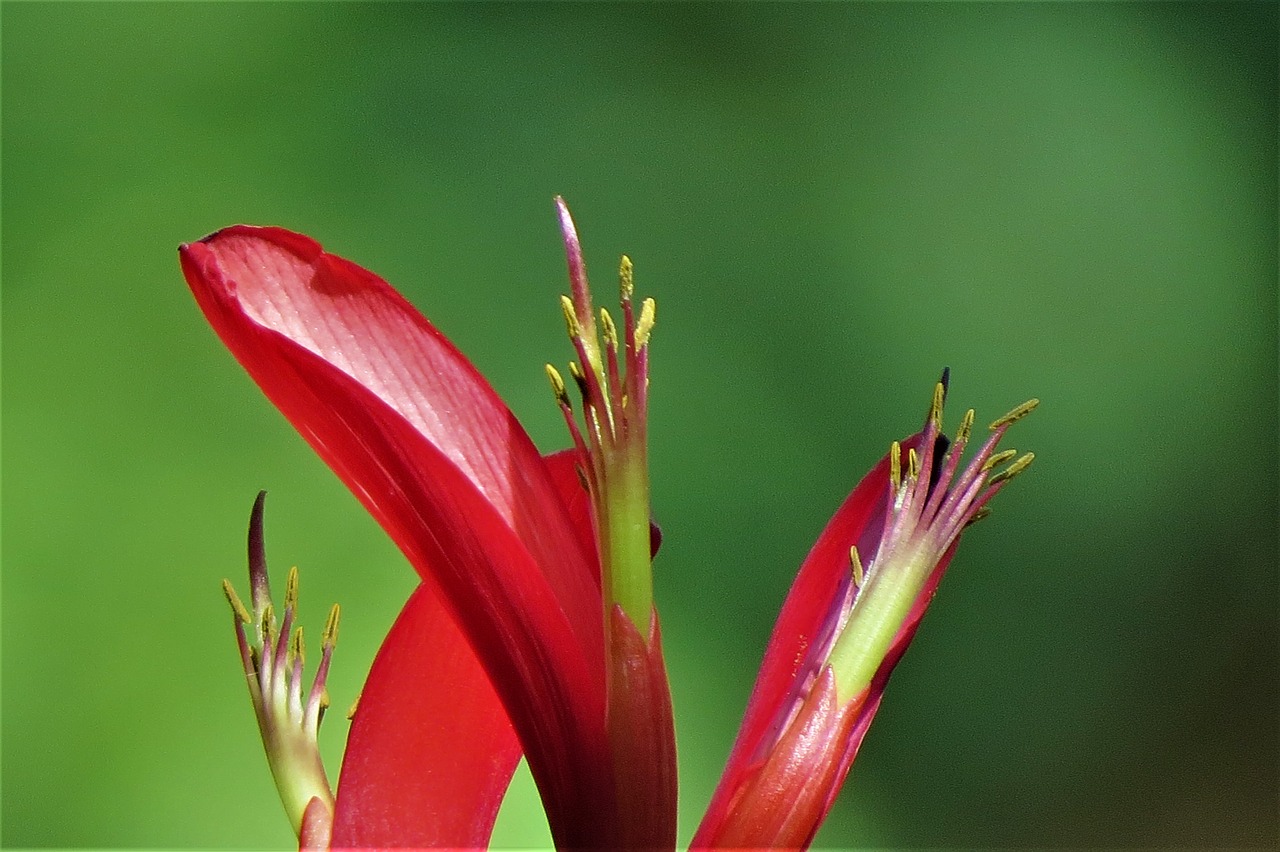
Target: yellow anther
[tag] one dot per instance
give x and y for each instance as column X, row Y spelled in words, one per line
column 999, row 459
column 895, row 465
column 856, row 563
column 608, row 330
column 237, row 607
column 644, row 325
column 1017, row 414
column 935, row 407
column 626, row 283
column 351, row 714
column 557, row 385
column 330, row 636
column 296, row 647
column 1013, row 470
column 913, row 465
column 291, row 590
column 966, row 426
column 570, row 318
column 267, row 624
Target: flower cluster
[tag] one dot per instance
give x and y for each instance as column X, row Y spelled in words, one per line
column 533, row 631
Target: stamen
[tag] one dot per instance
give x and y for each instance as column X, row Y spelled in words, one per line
column 998, row 459
column 626, row 282
column 291, row 590
column 351, row 713
column 557, row 386
column 935, row 406
column 895, row 466
column 266, row 625
column 856, row 563
column 966, row 427
column 1016, row 414
column 913, row 465
column 644, row 326
column 608, row 330
column 242, row 614
column 329, row 638
column 297, row 649
column 571, row 323
column 1012, row 470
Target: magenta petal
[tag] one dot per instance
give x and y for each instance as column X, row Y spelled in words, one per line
column 430, row 752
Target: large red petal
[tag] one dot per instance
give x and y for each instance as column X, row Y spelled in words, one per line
column 428, row 448
column 431, row 752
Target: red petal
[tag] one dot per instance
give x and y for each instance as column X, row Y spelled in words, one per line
column 563, row 467
column 431, row 752
column 432, row 453
column 782, row 800
column 803, row 624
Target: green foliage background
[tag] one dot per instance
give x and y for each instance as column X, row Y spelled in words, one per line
column 830, row 203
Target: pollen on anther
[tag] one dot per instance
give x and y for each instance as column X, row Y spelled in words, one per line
column 913, row 465
column 626, row 282
column 966, row 427
column 644, row 325
column 267, row 624
column 570, row 318
column 297, row 647
column 935, row 407
column 1013, row 470
column 1016, row 414
column 330, row 636
column 999, row 459
column 557, row 386
column 291, row 590
column 895, row 465
column 242, row 614
column 608, row 329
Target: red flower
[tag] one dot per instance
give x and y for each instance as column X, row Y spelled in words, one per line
column 843, row 628
column 502, row 538
column 533, row 629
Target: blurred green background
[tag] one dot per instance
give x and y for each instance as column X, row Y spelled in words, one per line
column 830, row 203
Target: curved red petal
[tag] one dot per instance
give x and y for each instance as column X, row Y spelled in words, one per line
column 358, row 325
column 431, row 751
column 431, row 452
